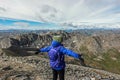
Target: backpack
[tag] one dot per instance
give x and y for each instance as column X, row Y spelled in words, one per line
column 56, row 58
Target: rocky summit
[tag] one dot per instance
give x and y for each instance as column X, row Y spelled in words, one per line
column 37, row 68
column 100, row 48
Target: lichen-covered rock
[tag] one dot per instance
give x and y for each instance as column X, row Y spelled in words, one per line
column 5, row 43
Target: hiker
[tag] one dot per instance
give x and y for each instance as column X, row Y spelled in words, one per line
column 56, row 52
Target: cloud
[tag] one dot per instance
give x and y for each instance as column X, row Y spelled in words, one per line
column 100, row 11
column 2, row 9
column 60, row 10
column 22, row 24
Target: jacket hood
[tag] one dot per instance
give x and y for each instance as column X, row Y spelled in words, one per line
column 55, row 43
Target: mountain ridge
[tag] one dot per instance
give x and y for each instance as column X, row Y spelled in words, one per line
column 99, row 48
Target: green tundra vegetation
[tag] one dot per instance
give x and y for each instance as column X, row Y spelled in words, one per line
column 109, row 61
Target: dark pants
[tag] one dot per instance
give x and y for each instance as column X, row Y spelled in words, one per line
column 58, row 72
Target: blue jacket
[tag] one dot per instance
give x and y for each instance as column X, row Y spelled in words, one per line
column 62, row 50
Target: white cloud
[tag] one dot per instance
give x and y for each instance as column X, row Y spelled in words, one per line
column 60, row 10
column 22, row 24
column 102, row 10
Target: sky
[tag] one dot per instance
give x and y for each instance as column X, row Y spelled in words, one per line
column 39, row 14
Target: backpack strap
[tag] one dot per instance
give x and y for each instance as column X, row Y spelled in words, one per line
column 58, row 48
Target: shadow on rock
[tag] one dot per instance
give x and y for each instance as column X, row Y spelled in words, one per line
column 19, row 51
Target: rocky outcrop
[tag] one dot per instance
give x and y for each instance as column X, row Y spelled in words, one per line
column 15, row 44
column 37, row 68
column 95, row 43
column 5, row 42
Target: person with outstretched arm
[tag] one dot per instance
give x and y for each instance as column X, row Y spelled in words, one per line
column 56, row 52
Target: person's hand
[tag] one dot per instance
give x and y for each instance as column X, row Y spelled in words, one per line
column 82, row 62
column 81, row 59
column 37, row 52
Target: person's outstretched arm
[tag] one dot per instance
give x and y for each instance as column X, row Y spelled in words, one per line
column 44, row 49
column 69, row 52
column 72, row 54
